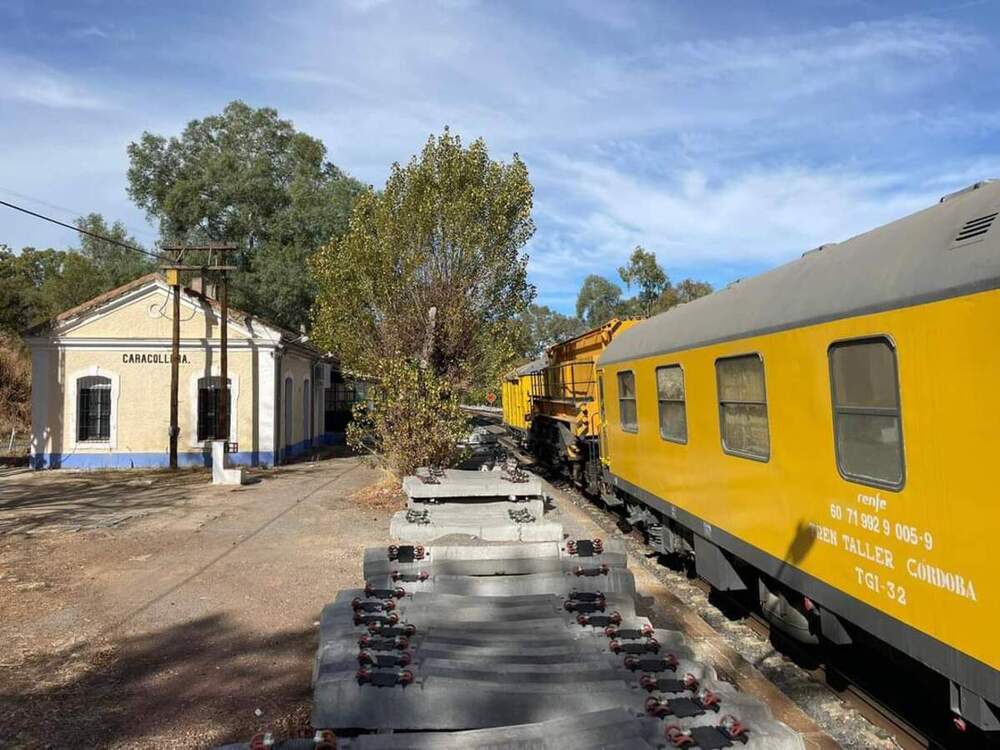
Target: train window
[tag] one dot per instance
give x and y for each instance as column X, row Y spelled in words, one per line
column 743, row 406
column 670, row 394
column 866, row 414
column 626, row 402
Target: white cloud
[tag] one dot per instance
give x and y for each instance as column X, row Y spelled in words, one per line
column 27, row 81
column 714, row 145
column 755, row 218
column 91, row 31
column 707, row 150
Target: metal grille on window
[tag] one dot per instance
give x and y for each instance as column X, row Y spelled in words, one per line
column 209, row 403
column 866, row 411
column 670, row 394
column 626, row 402
column 93, row 408
column 743, row 407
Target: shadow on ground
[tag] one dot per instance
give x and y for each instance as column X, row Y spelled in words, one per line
column 30, row 504
column 207, row 676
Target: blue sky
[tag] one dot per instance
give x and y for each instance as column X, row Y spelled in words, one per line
column 727, row 137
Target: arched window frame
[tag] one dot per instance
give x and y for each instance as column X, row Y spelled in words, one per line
column 71, row 428
column 288, row 412
column 307, row 408
column 234, row 399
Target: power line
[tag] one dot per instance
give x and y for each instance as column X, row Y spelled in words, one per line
column 87, row 232
column 68, row 211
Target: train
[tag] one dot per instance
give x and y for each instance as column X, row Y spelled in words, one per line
column 818, row 437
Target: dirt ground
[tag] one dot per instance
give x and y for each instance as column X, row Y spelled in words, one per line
column 150, row 610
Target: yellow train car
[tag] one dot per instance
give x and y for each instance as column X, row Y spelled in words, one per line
column 564, row 418
column 516, row 393
column 825, row 433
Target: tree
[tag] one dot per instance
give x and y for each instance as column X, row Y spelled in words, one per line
column 248, row 177
column 429, row 277
column 686, row 291
column 648, row 277
column 19, row 300
column 113, row 264
column 598, row 301
column 540, row 327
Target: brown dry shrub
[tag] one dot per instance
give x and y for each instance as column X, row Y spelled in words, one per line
column 15, row 385
column 384, row 494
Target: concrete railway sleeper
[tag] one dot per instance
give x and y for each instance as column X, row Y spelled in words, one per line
column 534, row 644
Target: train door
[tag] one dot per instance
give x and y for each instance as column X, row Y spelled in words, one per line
column 602, row 428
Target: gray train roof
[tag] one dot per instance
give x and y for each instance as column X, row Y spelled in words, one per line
column 535, row 365
column 529, row 368
column 943, row 251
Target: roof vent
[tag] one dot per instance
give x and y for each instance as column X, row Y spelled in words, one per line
column 974, row 229
column 963, row 191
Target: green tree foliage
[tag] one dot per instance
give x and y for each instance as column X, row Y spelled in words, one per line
column 598, row 301
column 648, row 277
column 540, row 326
column 412, row 418
column 430, row 273
column 685, row 291
column 18, row 295
column 114, row 265
column 38, row 284
column 248, row 177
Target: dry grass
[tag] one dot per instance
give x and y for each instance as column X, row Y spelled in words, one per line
column 15, row 386
column 385, row 494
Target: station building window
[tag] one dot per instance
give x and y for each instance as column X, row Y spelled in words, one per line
column 626, row 401
column 743, row 406
column 93, row 409
column 341, row 397
column 866, row 413
column 670, row 395
column 209, row 405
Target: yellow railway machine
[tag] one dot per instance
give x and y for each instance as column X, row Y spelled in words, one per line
column 823, row 435
column 516, row 392
column 564, row 418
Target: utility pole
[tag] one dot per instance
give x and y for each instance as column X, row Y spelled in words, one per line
column 223, row 411
column 173, row 272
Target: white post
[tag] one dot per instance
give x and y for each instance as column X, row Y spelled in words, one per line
column 222, row 474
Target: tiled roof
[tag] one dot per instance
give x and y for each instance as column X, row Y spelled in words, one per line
column 236, row 315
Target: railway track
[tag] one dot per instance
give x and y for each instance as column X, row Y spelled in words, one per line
column 907, row 733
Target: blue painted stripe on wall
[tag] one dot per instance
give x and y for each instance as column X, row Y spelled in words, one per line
column 126, row 460
column 304, row 446
column 131, row 460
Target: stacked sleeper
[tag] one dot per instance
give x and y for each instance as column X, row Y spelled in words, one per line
column 502, row 505
column 535, row 644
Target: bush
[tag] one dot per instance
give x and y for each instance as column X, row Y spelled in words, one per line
column 412, row 418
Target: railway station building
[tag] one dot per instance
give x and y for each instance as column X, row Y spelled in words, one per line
column 101, row 384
